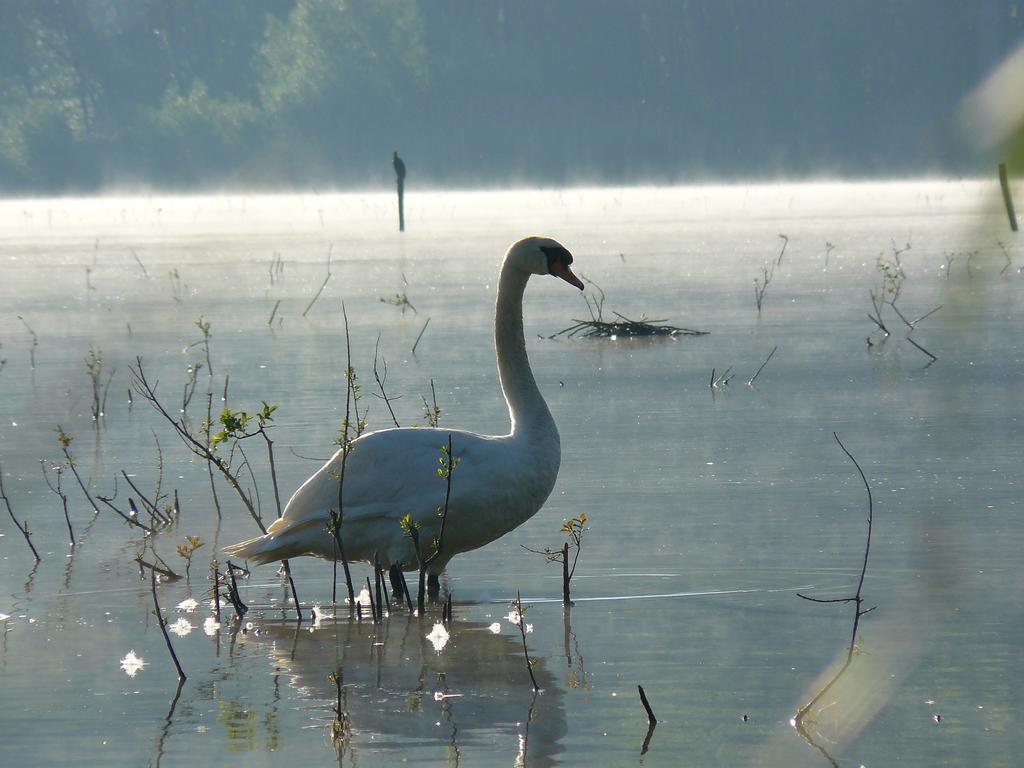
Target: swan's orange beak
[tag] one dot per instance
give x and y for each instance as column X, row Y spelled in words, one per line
column 558, row 269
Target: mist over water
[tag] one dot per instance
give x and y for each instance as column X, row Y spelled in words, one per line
column 707, row 508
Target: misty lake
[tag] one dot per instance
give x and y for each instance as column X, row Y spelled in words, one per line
column 708, row 508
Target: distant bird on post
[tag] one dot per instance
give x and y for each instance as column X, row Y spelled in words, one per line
column 399, row 167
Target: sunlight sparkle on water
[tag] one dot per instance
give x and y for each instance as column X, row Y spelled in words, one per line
column 438, row 637
column 363, row 598
column 131, row 663
column 181, row 627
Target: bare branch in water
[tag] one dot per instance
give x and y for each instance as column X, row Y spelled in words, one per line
column 58, row 471
column 323, row 285
column 798, row 720
column 758, row 373
column 21, row 527
column 35, row 342
column 785, row 242
column 163, row 628
column 381, row 379
column 145, row 272
column 933, row 357
column 647, row 706
column 926, row 314
column 420, row 336
column 652, row 721
column 1006, row 254
column 520, row 612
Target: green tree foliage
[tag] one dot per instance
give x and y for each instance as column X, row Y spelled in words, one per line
column 177, row 93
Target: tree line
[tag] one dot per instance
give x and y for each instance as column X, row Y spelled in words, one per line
column 317, row 93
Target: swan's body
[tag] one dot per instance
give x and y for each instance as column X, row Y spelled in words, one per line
column 499, row 483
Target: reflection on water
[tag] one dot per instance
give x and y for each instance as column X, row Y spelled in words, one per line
column 473, row 697
column 707, row 506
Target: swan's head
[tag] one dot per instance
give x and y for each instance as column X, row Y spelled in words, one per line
column 543, row 256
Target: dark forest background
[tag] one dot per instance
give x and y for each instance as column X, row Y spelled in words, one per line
column 317, row 93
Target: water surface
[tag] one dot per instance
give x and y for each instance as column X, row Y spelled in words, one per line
column 708, row 508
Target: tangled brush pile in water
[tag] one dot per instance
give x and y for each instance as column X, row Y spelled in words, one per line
column 596, row 326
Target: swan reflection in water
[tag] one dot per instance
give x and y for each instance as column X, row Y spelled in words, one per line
column 471, row 699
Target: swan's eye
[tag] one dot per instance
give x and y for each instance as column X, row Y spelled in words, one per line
column 557, row 255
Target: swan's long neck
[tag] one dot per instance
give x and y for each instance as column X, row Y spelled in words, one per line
column 526, row 407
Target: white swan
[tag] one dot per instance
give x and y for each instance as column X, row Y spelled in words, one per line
column 499, row 483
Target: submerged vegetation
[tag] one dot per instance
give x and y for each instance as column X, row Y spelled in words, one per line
column 598, row 327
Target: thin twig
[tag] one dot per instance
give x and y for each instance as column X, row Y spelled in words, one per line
column 322, row 285
column 233, row 596
column 723, row 380
column 142, row 266
column 432, row 414
column 130, row 519
column 199, row 448
column 879, row 323
column 209, row 463
column 295, row 595
column 647, row 705
column 926, row 314
column 160, row 474
column 856, row 599
column 35, row 342
column 19, row 526
column 933, row 357
column 71, row 464
column 154, row 513
column 163, row 628
column 785, row 242
column 411, row 527
column 377, row 595
column 770, row 354
column 165, row 572
column 566, row 576
column 373, row 603
column 522, row 631
column 277, row 502
column 1006, row 254
column 215, row 577
column 405, row 588
column 380, row 382
column 345, row 448
column 422, row 330
column 647, row 739
column 60, row 495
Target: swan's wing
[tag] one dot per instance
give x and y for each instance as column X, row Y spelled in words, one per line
column 393, row 472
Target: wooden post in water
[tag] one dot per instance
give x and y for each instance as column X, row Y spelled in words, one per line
column 1004, row 182
column 401, row 205
column 399, row 167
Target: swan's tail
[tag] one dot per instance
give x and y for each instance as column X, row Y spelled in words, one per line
column 279, row 543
